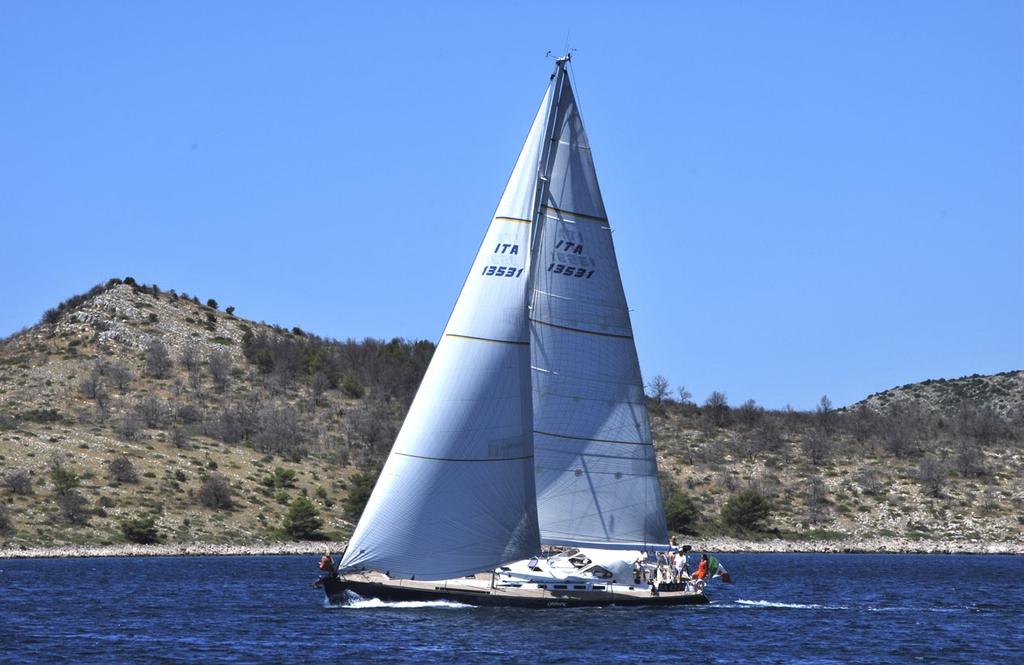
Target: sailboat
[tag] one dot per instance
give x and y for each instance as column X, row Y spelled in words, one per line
column 529, row 430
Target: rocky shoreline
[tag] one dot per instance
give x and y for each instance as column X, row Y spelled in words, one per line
column 722, row 544
column 179, row 549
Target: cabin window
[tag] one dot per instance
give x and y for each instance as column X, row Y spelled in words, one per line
column 598, row 588
column 600, row 573
column 559, row 586
column 579, row 587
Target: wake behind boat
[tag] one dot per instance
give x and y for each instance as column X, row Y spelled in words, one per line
column 530, row 427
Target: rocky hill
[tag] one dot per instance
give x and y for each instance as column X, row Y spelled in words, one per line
column 1003, row 393
column 130, row 413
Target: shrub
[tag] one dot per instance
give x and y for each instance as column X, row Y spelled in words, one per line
column 18, row 481
column 284, row 477
column 151, row 410
column 6, row 526
column 716, row 409
column 140, row 530
column 932, row 474
column 220, row 369
column 158, row 360
column 179, row 439
column 211, row 303
column 352, row 388
column 302, row 522
column 64, row 479
column 189, row 413
column 120, row 375
column 73, row 507
column 230, row 310
column 215, row 492
column 122, row 470
column 748, row 509
column 816, row 500
column 264, row 361
column 129, row 427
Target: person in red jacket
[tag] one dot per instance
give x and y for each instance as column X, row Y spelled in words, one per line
column 702, row 569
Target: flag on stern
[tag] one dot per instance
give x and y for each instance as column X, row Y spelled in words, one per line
column 716, row 569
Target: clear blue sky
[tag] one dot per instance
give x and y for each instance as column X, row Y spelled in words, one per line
column 808, row 197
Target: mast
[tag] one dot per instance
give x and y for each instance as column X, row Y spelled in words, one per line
column 548, row 148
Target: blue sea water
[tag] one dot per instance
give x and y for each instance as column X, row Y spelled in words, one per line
column 786, row 608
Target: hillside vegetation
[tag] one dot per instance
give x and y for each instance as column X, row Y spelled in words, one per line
column 132, row 414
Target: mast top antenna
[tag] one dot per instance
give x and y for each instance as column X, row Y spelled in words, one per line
column 561, row 60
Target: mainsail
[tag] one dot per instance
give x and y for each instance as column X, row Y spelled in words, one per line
column 597, row 479
column 456, row 495
column 530, row 424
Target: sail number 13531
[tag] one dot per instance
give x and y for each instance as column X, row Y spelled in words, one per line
column 570, row 271
column 502, row 271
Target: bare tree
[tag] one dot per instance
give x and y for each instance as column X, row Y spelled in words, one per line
column 862, row 424
column 158, row 361
column 179, row 439
column 280, row 432
column 130, row 427
column 685, row 396
column 870, row 481
column 189, row 413
column 816, row 499
column 193, row 364
column 766, row 437
column 970, row 458
column 151, row 410
column 120, row 376
column 982, row 425
column 18, row 481
column 658, row 390
column 317, row 385
column 749, row 413
column 904, row 427
column 102, row 399
column 932, row 474
column 73, row 508
column 190, row 359
column 220, row 369
column 817, row 445
column 825, row 415
column 716, row 409
column 215, row 492
column 92, row 382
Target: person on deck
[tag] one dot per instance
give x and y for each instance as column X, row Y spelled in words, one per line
column 327, row 563
column 682, row 568
column 702, row 569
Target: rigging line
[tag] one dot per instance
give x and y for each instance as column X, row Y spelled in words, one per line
column 581, row 330
column 487, row 339
column 583, row 438
column 582, row 216
column 458, row 459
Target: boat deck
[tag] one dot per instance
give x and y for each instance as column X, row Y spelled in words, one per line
column 477, row 590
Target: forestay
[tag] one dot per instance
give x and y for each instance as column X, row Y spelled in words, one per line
column 597, row 479
column 456, row 495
